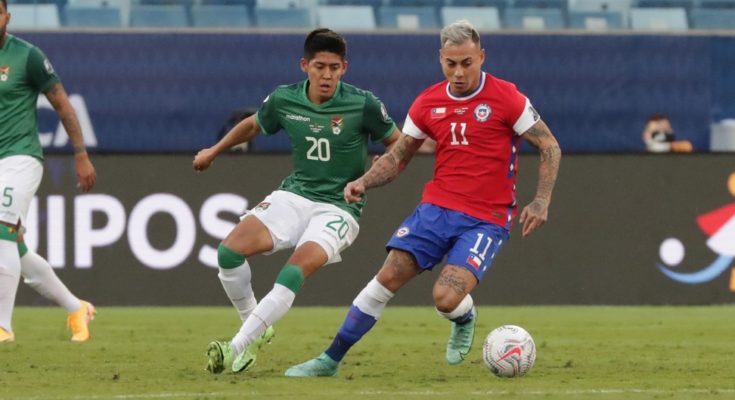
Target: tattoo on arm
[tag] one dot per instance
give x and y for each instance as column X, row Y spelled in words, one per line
column 541, row 137
column 56, row 95
column 391, row 163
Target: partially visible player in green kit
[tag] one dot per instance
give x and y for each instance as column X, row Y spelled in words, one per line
column 25, row 72
column 329, row 124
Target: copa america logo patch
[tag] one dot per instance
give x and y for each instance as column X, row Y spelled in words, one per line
column 482, row 112
column 402, row 231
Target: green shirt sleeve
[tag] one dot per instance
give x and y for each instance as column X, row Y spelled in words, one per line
column 267, row 116
column 39, row 71
column 377, row 121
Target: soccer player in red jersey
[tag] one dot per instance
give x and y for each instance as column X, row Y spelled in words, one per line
column 477, row 121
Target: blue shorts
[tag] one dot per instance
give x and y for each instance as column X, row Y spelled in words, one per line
column 432, row 232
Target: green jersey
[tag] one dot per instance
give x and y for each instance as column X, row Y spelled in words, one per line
column 328, row 141
column 25, row 72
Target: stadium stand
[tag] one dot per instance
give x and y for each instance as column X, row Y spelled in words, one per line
column 708, row 18
column 122, row 5
column 39, row 16
column 408, row 17
column 163, row 16
column 483, row 18
column 658, row 19
column 534, row 18
column 284, row 17
column 595, row 20
column 346, row 17
column 220, row 16
column 89, row 17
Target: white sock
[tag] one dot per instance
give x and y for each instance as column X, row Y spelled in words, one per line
column 373, row 298
column 9, row 279
column 271, row 308
column 39, row 275
column 463, row 308
column 236, row 282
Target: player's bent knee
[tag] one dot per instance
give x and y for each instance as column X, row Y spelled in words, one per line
column 228, row 258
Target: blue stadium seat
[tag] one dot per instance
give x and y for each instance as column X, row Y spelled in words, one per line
column 595, row 20
column 372, row 3
column 407, row 17
column 716, row 3
column 220, row 16
column 709, row 18
column 41, row 16
column 534, row 18
column 89, row 17
column 284, row 18
column 560, row 4
column 122, row 5
column 482, row 18
column 621, row 6
column 346, row 17
column 500, row 5
column 658, row 19
column 164, row 16
column 685, row 4
column 311, row 4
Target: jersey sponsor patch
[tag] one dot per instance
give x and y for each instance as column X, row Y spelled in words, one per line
column 482, row 112
column 383, row 111
column 536, row 116
column 4, row 73
column 402, row 231
column 48, row 66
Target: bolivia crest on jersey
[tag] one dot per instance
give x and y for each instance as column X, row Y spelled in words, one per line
column 337, row 123
column 482, row 112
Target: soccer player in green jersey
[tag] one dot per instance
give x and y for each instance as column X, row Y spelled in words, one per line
column 329, row 123
column 25, row 72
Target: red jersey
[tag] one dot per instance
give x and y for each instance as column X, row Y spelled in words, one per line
column 476, row 146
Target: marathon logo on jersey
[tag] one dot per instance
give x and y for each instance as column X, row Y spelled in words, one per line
column 337, row 124
column 4, row 73
column 438, row 112
column 482, row 112
column 460, row 110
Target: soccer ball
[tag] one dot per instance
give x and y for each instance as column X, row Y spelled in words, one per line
column 509, row 351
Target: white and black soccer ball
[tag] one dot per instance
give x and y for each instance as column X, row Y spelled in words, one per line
column 509, row 351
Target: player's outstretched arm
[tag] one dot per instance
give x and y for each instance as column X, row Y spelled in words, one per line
column 243, row 132
column 385, row 168
column 86, row 174
column 535, row 214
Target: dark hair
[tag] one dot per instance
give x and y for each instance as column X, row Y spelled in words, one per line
column 5, row 3
column 656, row 117
column 324, row 39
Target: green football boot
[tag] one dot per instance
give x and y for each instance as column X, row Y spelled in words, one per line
column 460, row 340
column 320, row 366
column 219, row 354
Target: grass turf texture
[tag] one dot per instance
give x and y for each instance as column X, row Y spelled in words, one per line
column 583, row 353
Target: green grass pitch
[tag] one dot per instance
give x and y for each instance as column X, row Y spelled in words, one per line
column 583, row 353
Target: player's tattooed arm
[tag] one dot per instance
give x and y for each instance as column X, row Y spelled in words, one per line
column 385, row 168
column 58, row 98
column 535, row 214
column 86, row 174
column 392, row 163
